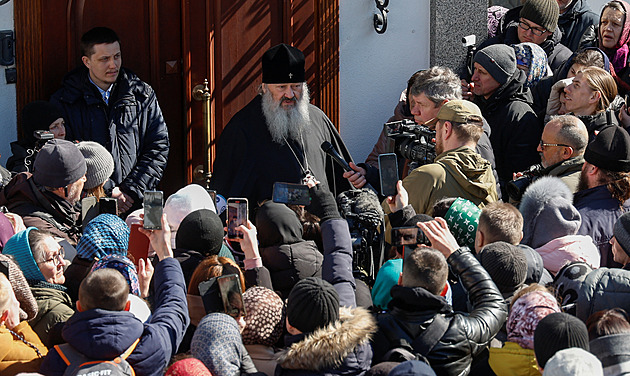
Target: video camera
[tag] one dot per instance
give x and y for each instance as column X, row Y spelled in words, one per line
column 517, row 187
column 412, row 141
column 42, row 137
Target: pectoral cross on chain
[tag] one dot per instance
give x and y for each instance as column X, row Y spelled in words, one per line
column 290, row 75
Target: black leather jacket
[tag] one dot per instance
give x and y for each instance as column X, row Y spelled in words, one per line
column 413, row 309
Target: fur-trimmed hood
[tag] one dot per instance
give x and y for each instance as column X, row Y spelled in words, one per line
column 328, row 347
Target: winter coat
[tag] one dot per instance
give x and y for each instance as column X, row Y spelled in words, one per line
column 596, row 123
column 102, row 334
column 459, row 172
column 288, row 263
column 41, row 208
column 387, row 277
column 613, row 351
column 602, row 289
column 568, row 171
column 75, row 274
column 413, row 309
column 513, row 360
column 342, row 347
column 536, row 272
column 15, row 355
column 263, row 357
column 515, row 128
column 131, row 127
column 54, row 306
column 15, row 163
column 599, row 212
column 574, row 22
column 567, row 249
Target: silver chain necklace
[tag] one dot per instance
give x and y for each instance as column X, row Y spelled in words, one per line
column 306, row 172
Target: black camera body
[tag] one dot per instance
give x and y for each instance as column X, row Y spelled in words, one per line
column 412, row 141
column 43, row 135
column 517, row 187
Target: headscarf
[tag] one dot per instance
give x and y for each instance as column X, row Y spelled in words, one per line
column 106, row 234
column 525, row 315
column 277, row 225
column 124, row 266
column 19, row 247
column 619, row 54
column 264, row 319
column 188, row 367
column 217, row 343
column 534, row 58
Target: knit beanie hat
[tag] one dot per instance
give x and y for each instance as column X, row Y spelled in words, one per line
column 28, row 304
column 568, row 283
column 201, row 231
column 99, row 163
column 264, row 318
column 188, row 367
column 558, row 331
column 38, row 116
column 58, row 163
column 183, row 202
column 106, row 234
column 313, row 303
column 124, row 266
column 548, row 212
column 283, row 64
column 526, row 313
column 499, row 60
column 621, row 231
column 573, row 361
column 20, row 249
column 506, row 264
column 610, row 150
column 542, row 12
column 462, row 219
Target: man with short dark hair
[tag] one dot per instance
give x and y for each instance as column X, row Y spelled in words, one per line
column 604, row 188
column 420, row 321
column 102, row 101
column 46, row 198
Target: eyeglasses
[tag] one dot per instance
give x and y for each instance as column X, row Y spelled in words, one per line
column 56, row 258
column 535, row 30
column 543, row 145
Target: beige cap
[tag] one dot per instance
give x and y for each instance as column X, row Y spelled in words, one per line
column 459, row 111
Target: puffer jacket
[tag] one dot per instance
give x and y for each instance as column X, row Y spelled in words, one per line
column 54, row 306
column 569, row 248
column 413, row 309
column 513, row 360
column 574, row 22
column 515, row 128
column 131, row 127
column 599, row 212
column 602, row 289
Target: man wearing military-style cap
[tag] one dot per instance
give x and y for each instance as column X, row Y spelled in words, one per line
column 277, row 136
column 458, row 171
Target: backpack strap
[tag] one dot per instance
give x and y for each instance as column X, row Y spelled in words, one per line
column 70, row 355
column 130, row 349
column 425, row 342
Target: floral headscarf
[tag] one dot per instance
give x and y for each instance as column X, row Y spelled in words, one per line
column 534, row 58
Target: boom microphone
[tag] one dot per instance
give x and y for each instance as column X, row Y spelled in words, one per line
column 330, row 150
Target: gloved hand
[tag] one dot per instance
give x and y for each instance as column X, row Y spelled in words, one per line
column 323, row 203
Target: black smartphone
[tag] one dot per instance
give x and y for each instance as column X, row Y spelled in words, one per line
column 89, row 210
column 108, row 205
column 231, row 295
column 388, row 170
column 236, row 216
column 405, row 235
column 153, row 205
column 210, row 295
column 292, row 194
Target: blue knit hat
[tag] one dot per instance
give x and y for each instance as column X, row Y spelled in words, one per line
column 19, row 248
column 106, row 234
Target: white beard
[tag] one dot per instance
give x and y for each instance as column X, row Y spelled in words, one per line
column 286, row 123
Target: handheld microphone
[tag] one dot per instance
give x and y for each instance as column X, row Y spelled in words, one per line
column 330, row 150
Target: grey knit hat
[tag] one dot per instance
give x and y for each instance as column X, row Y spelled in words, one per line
column 506, row 264
column 58, row 163
column 622, row 232
column 542, row 12
column 100, row 163
column 548, row 212
column 499, row 60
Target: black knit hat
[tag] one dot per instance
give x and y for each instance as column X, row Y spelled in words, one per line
column 313, row 303
column 542, row 12
column 499, row 60
column 506, row 264
column 201, row 231
column 58, row 164
column 622, row 232
column 610, row 150
column 558, row 331
column 283, row 64
column 38, row 115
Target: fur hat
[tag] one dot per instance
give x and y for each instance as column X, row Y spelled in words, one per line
column 201, row 231
column 622, row 232
column 573, row 361
column 610, row 150
column 99, row 162
column 548, row 212
column 28, row 304
column 283, row 64
column 38, row 116
column 106, row 234
column 264, row 318
column 499, row 60
column 542, row 12
column 506, row 264
column 58, row 163
column 313, row 303
column 558, row 331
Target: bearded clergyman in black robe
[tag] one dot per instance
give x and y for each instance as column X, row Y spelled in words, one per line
column 277, row 136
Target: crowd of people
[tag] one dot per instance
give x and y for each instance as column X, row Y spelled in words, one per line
column 518, row 263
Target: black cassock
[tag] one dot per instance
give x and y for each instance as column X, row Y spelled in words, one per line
column 248, row 161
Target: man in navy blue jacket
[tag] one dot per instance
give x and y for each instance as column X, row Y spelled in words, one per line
column 103, row 328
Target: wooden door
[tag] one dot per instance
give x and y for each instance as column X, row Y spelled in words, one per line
column 174, row 45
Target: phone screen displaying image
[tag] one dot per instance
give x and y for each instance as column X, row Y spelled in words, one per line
column 153, row 205
column 404, row 235
column 231, row 294
column 388, row 170
column 237, row 215
column 292, row 194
